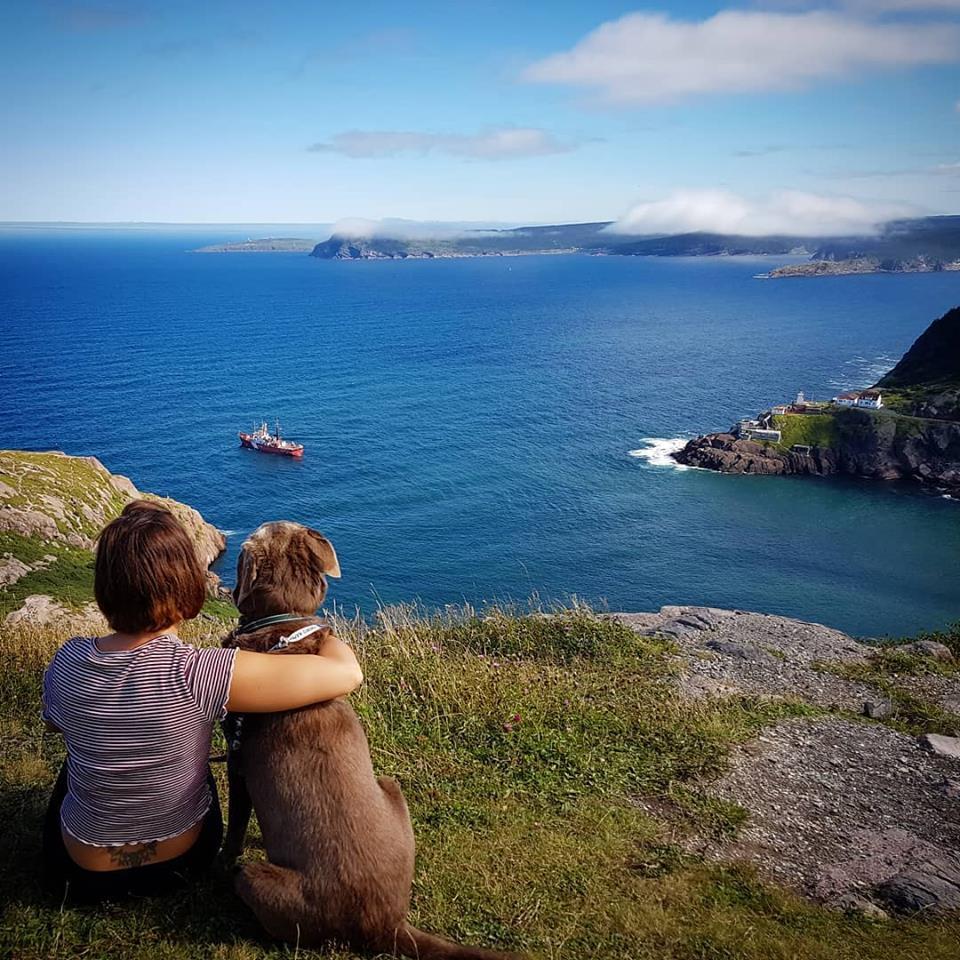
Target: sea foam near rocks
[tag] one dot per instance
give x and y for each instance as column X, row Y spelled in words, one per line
column 659, row 452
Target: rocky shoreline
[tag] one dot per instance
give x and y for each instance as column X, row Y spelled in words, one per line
column 859, row 265
column 872, row 449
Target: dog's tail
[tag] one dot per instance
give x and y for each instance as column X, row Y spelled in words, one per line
column 411, row 942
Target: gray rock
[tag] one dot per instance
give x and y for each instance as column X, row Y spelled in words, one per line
column 949, row 787
column 867, row 908
column 928, row 648
column 741, row 651
column 941, row 745
column 877, row 709
column 11, row 570
column 689, row 621
column 757, row 654
column 932, row 886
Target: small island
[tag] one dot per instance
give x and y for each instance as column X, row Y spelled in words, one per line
column 905, row 427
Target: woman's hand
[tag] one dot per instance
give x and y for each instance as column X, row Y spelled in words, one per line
column 266, row 683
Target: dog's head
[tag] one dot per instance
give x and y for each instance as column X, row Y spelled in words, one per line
column 283, row 568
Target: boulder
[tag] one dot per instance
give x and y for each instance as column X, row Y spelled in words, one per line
column 928, row 648
column 932, row 887
column 941, row 745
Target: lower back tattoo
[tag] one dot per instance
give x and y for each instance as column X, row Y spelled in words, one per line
column 134, row 858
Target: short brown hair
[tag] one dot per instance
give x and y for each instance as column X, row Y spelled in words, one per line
column 147, row 574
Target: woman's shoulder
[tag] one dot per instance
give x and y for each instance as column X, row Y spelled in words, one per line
column 73, row 647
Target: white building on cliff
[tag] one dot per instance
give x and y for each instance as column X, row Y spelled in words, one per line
column 868, row 399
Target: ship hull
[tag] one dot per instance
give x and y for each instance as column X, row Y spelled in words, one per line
column 250, row 443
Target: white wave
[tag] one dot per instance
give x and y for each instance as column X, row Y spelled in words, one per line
column 229, row 533
column 658, row 452
column 866, row 371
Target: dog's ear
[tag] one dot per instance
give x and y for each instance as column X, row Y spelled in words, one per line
column 325, row 553
column 246, row 574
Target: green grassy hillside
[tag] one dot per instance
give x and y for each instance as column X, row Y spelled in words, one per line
column 552, row 773
column 52, row 507
column 926, row 381
column 815, row 430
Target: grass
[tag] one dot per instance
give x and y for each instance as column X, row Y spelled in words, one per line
column 814, row 430
column 537, row 754
column 909, row 400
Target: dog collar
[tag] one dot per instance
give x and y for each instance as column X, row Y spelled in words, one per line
column 268, row 622
column 296, row 637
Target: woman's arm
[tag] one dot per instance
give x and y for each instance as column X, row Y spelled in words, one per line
column 264, row 682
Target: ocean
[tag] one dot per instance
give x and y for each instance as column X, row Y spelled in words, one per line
column 483, row 429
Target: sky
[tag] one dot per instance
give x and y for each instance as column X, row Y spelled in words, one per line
column 751, row 117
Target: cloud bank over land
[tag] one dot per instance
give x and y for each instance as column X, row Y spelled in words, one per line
column 397, row 228
column 646, row 58
column 493, row 143
column 789, row 213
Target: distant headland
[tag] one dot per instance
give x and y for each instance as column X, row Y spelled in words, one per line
column 921, row 245
column 905, row 427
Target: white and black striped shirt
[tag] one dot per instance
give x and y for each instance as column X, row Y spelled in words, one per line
column 137, row 725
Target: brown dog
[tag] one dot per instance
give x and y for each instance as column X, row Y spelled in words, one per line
column 338, row 838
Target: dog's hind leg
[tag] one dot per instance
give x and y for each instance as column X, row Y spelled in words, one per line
column 275, row 895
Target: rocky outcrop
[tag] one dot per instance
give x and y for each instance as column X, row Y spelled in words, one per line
column 886, row 444
column 839, row 268
column 726, row 453
column 51, row 503
column 854, row 813
column 39, row 610
column 733, row 651
column 874, row 445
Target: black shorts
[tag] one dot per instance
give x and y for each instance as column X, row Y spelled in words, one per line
column 71, row 883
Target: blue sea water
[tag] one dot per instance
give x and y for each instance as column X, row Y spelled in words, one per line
column 469, row 423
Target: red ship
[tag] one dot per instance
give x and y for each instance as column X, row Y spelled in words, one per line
column 266, row 442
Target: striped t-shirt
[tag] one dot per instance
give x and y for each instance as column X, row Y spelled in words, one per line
column 137, row 725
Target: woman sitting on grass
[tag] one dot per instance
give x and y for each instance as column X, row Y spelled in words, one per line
column 135, row 808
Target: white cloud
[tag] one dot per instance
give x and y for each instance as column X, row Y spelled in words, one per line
column 650, row 57
column 397, row 228
column 901, row 6
column 790, row 213
column 493, row 143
